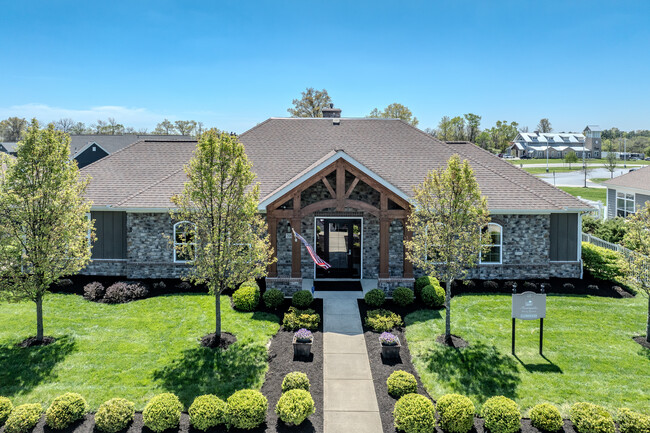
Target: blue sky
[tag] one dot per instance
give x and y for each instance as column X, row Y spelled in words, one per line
column 232, row 64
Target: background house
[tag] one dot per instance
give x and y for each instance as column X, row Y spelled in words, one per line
column 537, row 144
column 628, row 192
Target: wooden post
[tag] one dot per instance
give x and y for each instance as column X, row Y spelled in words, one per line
column 513, row 335
column 340, row 188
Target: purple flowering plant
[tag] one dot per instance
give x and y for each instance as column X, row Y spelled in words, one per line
column 303, row 336
column 388, row 339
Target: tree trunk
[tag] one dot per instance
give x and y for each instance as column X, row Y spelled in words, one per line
column 217, row 330
column 647, row 327
column 448, row 312
column 39, row 318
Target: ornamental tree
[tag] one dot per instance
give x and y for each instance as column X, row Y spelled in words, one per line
column 44, row 230
column 448, row 217
column 637, row 239
column 227, row 242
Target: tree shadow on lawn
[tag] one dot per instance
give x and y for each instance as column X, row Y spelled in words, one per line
column 202, row 370
column 422, row 315
column 24, row 368
column 478, row 370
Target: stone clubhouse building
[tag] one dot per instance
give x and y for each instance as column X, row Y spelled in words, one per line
column 345, row 185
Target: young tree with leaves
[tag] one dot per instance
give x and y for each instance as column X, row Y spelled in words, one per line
column 637, row 239
column 311, row 104
column 610, row 159
column 473, row 122
column 395, row 111
column 570, row 158
column 43, row 224
column 13, row 128
column 227, row 242
column 544, row 126
column 448, row 218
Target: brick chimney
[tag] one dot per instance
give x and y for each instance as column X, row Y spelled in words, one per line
column 331, row 111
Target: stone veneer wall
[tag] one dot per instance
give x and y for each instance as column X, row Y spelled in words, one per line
column 106, row 268
column 284, row 249
column 288, row 286
column 396, row 249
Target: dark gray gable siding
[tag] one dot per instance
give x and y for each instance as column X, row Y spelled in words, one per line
column 564, row 237
column 640, row 200
column 611, row 203
column 89, row 155
column 110, row 232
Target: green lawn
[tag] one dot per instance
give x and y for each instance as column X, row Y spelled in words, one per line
column 542, row 170
column 133, row 350
column 589, row 354
column 587, row 193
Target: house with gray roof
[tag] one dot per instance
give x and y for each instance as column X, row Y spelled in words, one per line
column 346, row 185
column 628, row 192
column 557, row 145
column 9, row 148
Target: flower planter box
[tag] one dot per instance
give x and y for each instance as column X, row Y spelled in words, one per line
column 390, row 352
column 301, row 350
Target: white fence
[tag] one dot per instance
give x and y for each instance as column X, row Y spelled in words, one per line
column 586, row 237
column 626, row 253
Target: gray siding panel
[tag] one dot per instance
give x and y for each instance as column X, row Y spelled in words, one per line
column 611, row 203
column 564, row 237
column 110, row 232
column 640, row 200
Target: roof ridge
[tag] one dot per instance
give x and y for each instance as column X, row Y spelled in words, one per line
column 255, row 127
column 110, row 155
column 162, row 179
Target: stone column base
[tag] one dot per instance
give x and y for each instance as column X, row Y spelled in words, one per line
column 288, row 286
column 390, row 284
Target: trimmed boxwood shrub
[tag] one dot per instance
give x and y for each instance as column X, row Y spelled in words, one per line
column 207, row 411
column 529, row 286
column 5, row 409
column 295, row 406
column 490, row 285
column 250, row 283
column 246, row 298
column 400, row 383
column 414, row 413
column 433, row 295
column 23, row 418
column 114, row 415
column 602, row 263
column 382, row 320
column 501, row 415
column 403, row 296
column 122, row 292
column 295, row 319
column 546, row 417
column 273, row 298
column 632, row 422
column 591, row 418
column 302, row 299
column 456, row 413
column 421, row 282
column 295, row 380
column 162, row 412
column 65, row 409
column 375, row 298
column 246, row 409
column 94, row 291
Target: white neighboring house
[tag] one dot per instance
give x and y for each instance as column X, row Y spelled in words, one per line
column 628, row 192
column 537, row 144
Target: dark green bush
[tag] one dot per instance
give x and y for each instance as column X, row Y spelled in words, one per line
column 433, row 295
column 490, row 285
column 246, row 298
column 94, row 291
column 546, row 417
column 5, row 409
column 122, row 292
column 400, row 383
column 421, row 282
column 64, row 410
column 114, row 415
column 611, row 230
column 602, row 263
column 590, row 418
column 23, row 418
column 207, row 411
column 456, row 413
column 501, row 415
column 302, row 299
column 632, row 422
column 382, row 320
column 162, row 412
column 295, row 380
column 246, row 409
column 375, row 298
column 295, row 406
column 414, row 413
column 403, row 296
column 295, row 319
column 250, row 283
column 273, row 298
column 529, row 286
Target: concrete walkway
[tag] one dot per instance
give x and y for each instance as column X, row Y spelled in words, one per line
column 350, row 403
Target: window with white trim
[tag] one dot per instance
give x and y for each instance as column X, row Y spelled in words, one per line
column 492, row 236
column 624, row 204
column 184, row 244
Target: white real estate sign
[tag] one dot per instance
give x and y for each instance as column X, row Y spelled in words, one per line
column 528, row 306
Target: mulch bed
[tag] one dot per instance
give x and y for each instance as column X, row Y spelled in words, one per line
column 456, row 341
column 32, row 341
column 642, row 341
column 224, row 342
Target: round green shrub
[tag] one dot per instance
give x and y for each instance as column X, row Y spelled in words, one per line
column 273, row 298
column 456, row 413
column 64, row 410
column 633, row 422
column 302, row 299
column 421, row 282
column 162, row 412
column 23, row 418
column 295, row 406
column 250, row 283
column 403, row 296
column 295, row 319
column 590, row 418
column 382, row 320
column 433, row 296
column 5, row 409
column 246, row 298
column 401, row 383
column 546, row 417
column 501, row 415
column 114, row 415
column 375, row 298
column 295, row 380
column 207, row 411
column 246, row 409
column 414, row 413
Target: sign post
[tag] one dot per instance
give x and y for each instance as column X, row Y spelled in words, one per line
column 528, row 306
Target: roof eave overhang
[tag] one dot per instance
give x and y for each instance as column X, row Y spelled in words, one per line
column 627, row 188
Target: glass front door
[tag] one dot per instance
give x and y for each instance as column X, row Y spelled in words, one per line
column 338, row 242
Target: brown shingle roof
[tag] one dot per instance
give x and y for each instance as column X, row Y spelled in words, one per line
column 639, row 179
column 282, row 149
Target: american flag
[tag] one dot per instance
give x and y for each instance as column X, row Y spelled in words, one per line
column 319, row 262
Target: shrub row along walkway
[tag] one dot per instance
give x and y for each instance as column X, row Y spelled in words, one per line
column 349, row 399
